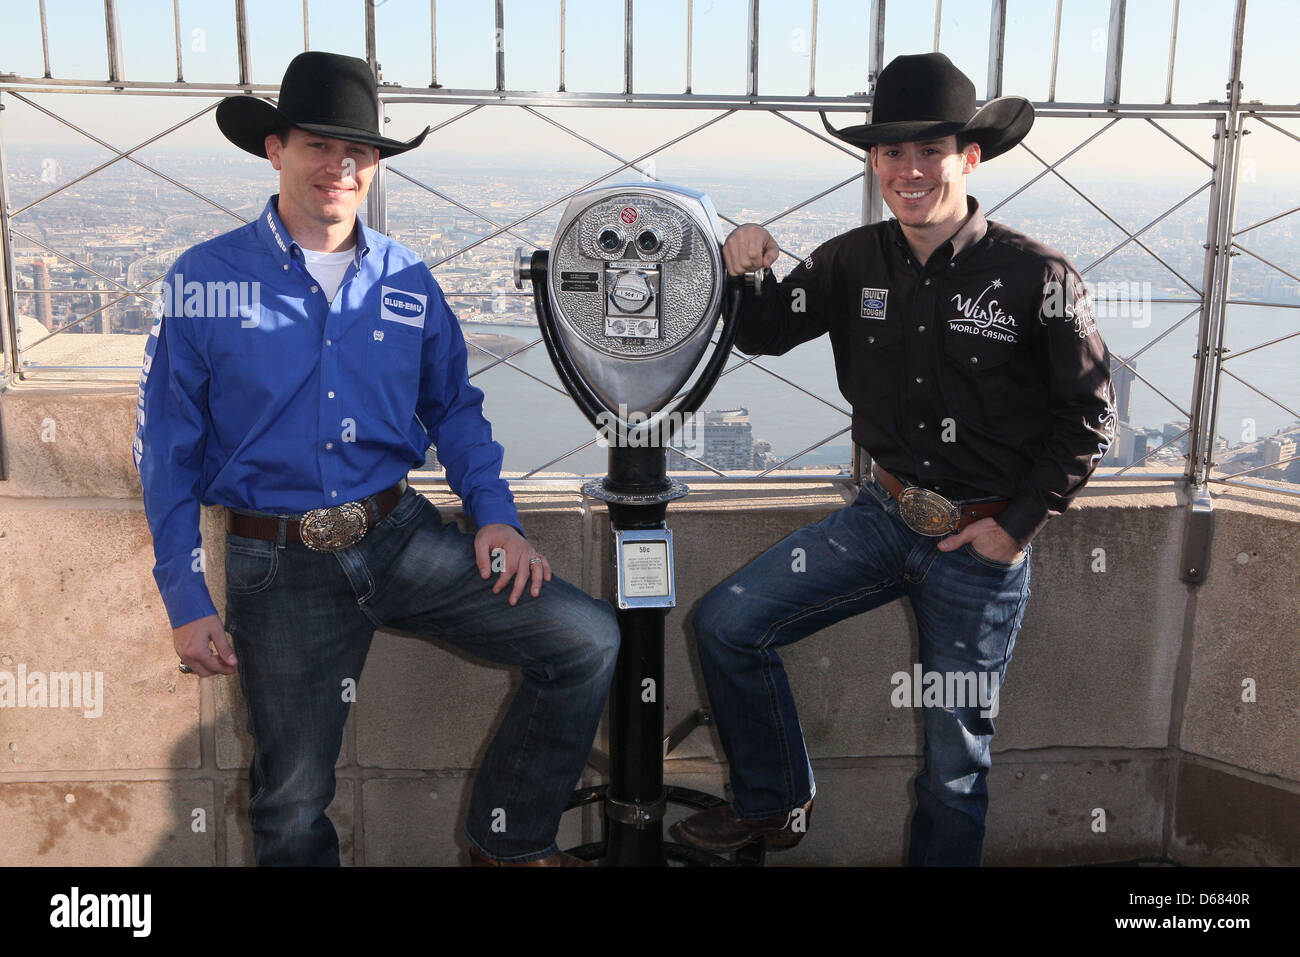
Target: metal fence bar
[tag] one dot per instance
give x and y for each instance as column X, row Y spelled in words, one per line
column 1270, row 465
column 306, row 29
column 816, row 445
column 377, row 195
column 241, row 43
column 1261, row 119
column 9, row 334
column 45, row 39
column 1137, row 355
column 113, row 40
column 633, row 163
column 1294, row 209
column 1202, row 380
column 587, row 185
column 627, row 46
column 751, row 82
column 561, row 457
column 77, row 262
column 938, row 19
column 498, row 360
column 80, row 319
column 1111, row 219
column 117, row 156
column 856, row 154
column 499, row 44
column 1168, row 212
column 562, row 47
column 1050, row 169
column 1237, row 245
column 1241, row 352
column 811, row 199
column 1259, row 302
column 997, row 45
column 130, row 159
column 1158, row 448
column 433, row 44
column 1179, row 142
column 176, row 31
column 459, row 205
column 872, row 201
column 812, row 52
column 1056, row 54
column 1128, row 364
column 1173, row 47
column 1232, row 130
column 690, row 40
column 1280, row 490
column 1115, row 51
column 1260, row 392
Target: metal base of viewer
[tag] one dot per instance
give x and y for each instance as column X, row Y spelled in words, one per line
column 651, row 815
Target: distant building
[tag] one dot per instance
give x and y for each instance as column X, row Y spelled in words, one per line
column 1279, row 448
column 727, row 442
column 1122, row 376
column 1172, row 429
column 41, row 300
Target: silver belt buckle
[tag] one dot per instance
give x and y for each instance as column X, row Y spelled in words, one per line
column 334, row 528
column 926, row 512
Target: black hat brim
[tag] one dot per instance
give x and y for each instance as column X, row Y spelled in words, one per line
column 247, row 121
column 998, row 126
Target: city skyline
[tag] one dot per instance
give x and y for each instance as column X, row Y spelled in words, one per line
column 90, row 228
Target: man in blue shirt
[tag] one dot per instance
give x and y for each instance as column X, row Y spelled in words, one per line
column 301, row 365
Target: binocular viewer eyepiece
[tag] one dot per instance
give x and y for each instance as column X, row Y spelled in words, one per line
column 629, row 296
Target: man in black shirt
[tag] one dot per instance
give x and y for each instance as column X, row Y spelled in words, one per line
column 981, row 388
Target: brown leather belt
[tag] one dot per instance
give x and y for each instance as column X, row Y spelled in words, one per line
column 321, row 529
column 929, row 513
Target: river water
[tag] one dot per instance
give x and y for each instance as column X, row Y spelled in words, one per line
column 537, row 424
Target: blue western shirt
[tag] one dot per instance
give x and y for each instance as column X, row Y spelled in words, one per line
column 258, row 393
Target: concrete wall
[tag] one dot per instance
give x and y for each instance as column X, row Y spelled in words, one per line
column 1125, row 697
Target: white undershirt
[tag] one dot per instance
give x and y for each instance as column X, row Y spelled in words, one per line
column 328, row 268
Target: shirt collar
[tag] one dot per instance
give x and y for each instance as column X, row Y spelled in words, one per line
column 971, row 231
column 273, row 232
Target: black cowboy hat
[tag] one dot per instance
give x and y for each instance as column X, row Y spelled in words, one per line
column 923, row 96
column 324, row 93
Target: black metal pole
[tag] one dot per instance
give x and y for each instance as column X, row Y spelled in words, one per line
column 636, row 796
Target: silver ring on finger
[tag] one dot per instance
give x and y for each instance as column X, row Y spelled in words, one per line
column 534, row 560
column 184, row 669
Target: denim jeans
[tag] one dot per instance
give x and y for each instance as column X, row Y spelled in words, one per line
column 302, row 622
column 968, row 609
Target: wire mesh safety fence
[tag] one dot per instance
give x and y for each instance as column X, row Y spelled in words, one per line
column 1141, row 174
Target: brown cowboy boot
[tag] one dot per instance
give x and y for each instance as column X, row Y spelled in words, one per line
column 719, row 829
column 478, row 859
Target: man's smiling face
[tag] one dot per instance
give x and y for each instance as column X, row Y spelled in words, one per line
column 924, row 183
column 322, row 179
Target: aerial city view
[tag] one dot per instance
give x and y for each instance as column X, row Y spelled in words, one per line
column 124, row 226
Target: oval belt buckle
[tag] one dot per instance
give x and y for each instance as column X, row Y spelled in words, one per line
column 926, row 512
column 335, row 528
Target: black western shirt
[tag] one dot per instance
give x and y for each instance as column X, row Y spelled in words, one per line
column 978, row 374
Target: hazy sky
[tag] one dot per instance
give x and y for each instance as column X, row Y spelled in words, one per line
column 594, row 44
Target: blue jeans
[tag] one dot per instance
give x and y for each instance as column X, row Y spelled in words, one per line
column 968, row 609
column 302, row 622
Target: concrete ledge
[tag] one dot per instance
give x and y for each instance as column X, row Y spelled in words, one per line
column 1126, row 687
column 105, row 823
column 1227, row 820
column 64, row 442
